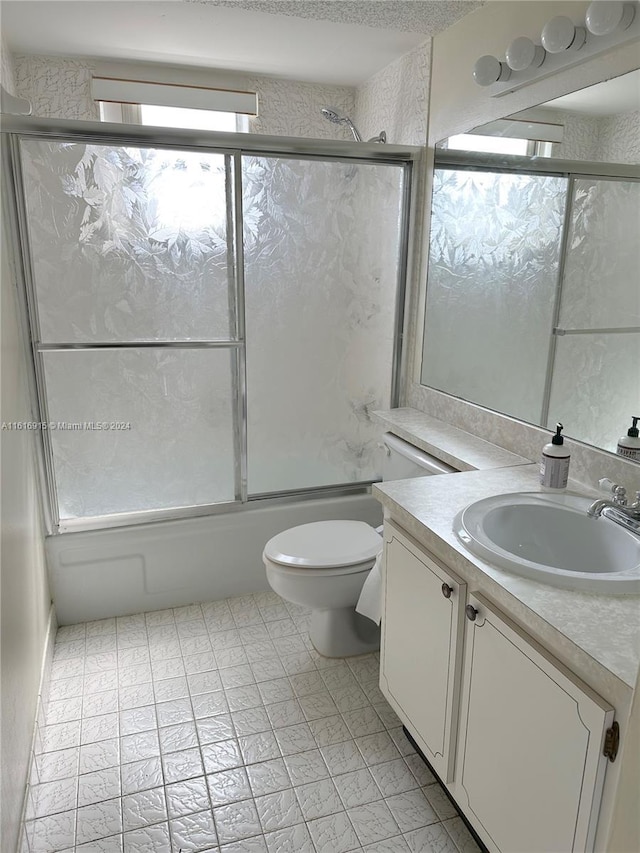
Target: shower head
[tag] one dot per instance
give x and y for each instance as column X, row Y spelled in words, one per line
column 334, row 116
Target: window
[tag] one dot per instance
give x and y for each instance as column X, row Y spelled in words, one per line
column 173, row 105
column 488, row 144
column 159, row 116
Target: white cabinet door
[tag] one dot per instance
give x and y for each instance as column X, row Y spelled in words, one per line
column 421, row 646
column 530, row 762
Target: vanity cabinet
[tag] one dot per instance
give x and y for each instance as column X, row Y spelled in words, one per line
column 520, row 748
column 421, row 646
column 530, row 765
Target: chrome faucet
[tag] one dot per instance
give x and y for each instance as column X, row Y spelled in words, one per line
column 617, row 509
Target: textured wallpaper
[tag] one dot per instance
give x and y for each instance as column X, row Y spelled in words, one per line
column 7, row 71
column 56, row 87
column 396, row 99
column 290, row 108
column 620, row 139
column 580, row 137
column 612, row 139
column 61, row 88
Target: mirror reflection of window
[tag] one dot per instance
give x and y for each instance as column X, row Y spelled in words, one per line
column 479, row 327
column 488, row 144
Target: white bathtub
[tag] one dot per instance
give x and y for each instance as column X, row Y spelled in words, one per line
column 124, row 570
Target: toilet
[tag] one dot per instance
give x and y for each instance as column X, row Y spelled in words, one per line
column 323, row 565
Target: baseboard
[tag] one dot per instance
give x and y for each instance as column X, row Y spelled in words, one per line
column 39, row 722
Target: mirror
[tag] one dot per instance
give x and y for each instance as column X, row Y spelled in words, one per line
column 533, row 290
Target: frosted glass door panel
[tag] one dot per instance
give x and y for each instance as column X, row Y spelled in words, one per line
column 179, row 449
column 596, row 386
column 127, row 243
column 321, row 273
column 493, row 274
column 601, row 287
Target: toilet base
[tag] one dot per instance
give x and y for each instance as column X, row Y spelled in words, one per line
column 342, row 633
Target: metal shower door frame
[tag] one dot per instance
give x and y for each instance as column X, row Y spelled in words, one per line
column 234, row 147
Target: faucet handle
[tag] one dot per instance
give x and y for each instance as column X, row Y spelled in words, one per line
column 619, row 495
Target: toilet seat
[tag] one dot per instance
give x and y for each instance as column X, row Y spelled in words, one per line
column 325, row 545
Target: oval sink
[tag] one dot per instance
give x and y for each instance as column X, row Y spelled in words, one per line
column 551, row 538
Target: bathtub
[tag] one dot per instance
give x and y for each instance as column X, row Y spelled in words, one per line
column 116, row 572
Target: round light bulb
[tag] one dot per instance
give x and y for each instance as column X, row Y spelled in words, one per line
column 603, row 18
column 522, row 53
column 560, row 34
column 488, row 70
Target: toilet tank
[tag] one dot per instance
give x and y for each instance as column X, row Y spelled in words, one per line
column 402, row 460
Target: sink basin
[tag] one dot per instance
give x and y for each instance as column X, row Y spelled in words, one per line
column 550, row 538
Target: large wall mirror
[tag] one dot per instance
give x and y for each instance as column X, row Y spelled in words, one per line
column 533, row 290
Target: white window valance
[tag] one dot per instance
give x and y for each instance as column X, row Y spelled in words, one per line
column 113, row 90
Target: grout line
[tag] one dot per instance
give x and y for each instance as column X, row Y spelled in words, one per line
column 318, row 679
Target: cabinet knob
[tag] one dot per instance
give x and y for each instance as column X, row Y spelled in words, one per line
column 471, row 612
column 447, row 590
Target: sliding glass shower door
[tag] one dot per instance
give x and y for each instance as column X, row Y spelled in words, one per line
column 207, row 325
column 134, row 307
column 321, row 244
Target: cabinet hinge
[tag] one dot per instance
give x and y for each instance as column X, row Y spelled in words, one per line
column 611, row 742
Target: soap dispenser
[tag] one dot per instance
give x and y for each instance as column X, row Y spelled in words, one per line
column 629, row 444
column 554, row 467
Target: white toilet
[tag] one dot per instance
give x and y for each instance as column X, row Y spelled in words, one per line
column 324, row 565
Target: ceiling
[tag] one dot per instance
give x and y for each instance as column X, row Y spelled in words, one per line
column 337, row 43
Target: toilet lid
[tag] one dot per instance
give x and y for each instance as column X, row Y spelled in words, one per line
column 324, row 544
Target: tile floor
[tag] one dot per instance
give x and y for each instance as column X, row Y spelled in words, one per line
column 218, row 728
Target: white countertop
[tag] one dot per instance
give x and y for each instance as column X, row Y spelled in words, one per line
column 597, row 636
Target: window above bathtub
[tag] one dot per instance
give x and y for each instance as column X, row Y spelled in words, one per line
column 173, row 105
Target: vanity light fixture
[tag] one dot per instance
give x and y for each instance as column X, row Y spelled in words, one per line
column 561, row 33
column 522, row 53
column 488, row 70
column 608, row 24
column 603, row 18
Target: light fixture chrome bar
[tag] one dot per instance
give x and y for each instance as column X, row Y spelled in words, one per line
column 95, row 132
column 241, row 361
column 118, row 345
column 622, row 330
column 562, row 257
column 445, row 159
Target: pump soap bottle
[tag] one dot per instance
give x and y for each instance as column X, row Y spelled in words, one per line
column 629, row 444
column 554, row 467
